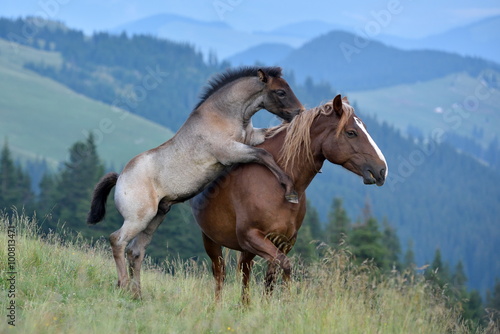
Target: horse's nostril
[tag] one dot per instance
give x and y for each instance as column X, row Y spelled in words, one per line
column 382, row 172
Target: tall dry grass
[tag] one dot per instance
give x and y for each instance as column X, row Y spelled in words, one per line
column 67, row 286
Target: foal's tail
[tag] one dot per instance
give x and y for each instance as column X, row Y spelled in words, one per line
column 99, row 197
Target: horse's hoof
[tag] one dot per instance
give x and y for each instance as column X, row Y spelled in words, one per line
column 292, row 198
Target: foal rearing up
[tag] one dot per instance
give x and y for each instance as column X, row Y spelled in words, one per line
column 218, row 133
column 245, row 210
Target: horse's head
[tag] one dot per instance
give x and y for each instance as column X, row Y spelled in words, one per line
column 279, row 98
column 352, row 146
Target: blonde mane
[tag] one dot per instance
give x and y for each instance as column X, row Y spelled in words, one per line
column 298, row 136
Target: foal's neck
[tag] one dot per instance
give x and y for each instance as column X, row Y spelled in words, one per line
column 240, row 99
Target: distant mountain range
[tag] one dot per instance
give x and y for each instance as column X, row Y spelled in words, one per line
column 208, row 37
column 340, row 59
column 482, row 39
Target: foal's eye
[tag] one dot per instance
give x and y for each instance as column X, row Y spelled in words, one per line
column 351, row 133
column 281, row 93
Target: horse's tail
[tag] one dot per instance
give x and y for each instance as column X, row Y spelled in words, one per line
column 99, row 197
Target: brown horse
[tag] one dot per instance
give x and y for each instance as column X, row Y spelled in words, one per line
column 244, row 209
column 218, row 133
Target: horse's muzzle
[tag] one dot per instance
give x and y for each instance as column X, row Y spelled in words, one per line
column 369, row 177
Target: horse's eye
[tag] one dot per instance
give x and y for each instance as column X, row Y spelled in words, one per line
column 351, row 133
column 281, row 93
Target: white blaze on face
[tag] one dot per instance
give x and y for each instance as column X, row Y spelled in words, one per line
column 372, row 142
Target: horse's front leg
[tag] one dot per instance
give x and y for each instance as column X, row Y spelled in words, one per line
column 214, row 251
column 241, row 153
column 245, row 264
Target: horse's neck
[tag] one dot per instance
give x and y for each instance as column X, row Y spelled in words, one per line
column 304, row 173
column 301, row 172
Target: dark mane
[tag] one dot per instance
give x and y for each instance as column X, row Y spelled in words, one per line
column 230, row 75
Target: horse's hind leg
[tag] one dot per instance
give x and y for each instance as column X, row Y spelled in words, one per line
column 214, row 251
column 119, row 241
column 136, row 251
column 254, row 241
column 245, row 264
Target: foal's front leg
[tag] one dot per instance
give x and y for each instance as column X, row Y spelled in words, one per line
column 265, row 158
column 241, row 153
column 255, row 136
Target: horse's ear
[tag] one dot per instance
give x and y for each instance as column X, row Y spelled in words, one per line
column 337, row 105
column 262, row 75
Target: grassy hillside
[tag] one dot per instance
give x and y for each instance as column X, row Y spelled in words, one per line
column 70, row 288
column 42, row 118
column 458, row 102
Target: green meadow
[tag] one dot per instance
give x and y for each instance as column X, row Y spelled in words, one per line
column 69, row 287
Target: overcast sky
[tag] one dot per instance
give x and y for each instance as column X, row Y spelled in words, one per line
column 407, row 18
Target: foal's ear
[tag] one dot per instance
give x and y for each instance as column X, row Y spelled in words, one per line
column 337, row 105
column 262, row 75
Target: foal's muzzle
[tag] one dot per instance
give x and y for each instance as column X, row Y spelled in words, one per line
column 287, row 116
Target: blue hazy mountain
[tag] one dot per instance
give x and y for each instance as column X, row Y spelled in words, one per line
column 266, row 53
column 480, row 39
column 477, row 39
column 209, row 37
column 304, row 29
column 339, row 58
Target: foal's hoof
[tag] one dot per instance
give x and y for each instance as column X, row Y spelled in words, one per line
column 292, row 197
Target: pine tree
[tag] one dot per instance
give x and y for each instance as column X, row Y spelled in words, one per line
column 391, row 242
column 459, row 278
column 473, row 307
column 409, row 258
column 438, row 272
column 304, row 245
column 365, row 241
column 312, row 220
column 68, row 194
column 179, row 237
column 493, row 297
column 47, row 199
column 338, row 225
column 15, row 184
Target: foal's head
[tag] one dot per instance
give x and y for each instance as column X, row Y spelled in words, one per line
column 264, row 83
column 349, row 144
column 279, row 98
